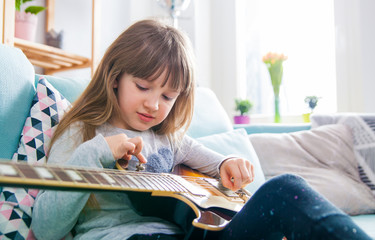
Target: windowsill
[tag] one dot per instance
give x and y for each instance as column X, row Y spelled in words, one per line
column 287, row 119
column 265, row 124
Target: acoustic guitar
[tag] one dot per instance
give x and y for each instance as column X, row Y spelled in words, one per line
column 213, row 205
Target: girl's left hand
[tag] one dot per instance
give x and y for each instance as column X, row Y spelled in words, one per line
column 236, row 173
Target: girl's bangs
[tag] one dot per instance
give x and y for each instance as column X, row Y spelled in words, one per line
column 161, row 51
column 177, row 75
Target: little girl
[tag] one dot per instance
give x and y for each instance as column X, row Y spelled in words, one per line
column 137, row 108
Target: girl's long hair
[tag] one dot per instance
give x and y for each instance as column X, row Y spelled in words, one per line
column 145, row 50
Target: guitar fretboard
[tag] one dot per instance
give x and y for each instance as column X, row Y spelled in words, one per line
column 49, row 176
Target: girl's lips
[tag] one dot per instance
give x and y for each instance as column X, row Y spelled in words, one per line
column 145, row 117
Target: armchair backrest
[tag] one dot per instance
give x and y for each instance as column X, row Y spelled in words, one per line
column 16, row 93
column 209, row 115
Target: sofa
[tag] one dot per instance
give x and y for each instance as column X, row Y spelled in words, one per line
column 20, row 91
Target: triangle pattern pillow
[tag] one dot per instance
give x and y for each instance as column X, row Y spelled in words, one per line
column 47, row 107
column 16, row 204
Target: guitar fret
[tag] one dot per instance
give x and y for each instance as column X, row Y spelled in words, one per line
column 9, row 171
column 149, row 179
column 75, row 176
column 179, row 184
column 46, row 173
column 175, row 185
column 89, row 177
column 53, row 171
column 27, row 171
column 109, row 179
column 167, row 181
column 146, row 183
column 121, row 181
column 189, row 186
column 100, row 178
column 161, row 183
column 61, row 174
column 129, row 182
column 169, row 185
column 155, row 183
column 135, row 181
column 152, row 183
column 143, row 180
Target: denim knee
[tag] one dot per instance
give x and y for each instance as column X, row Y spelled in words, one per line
column 284, row 180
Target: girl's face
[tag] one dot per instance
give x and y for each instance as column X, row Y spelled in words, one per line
column 143, row 104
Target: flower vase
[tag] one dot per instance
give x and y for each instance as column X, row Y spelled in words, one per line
column 306, row 117
column 25, row 25
column 274, row 63
column 277, row 109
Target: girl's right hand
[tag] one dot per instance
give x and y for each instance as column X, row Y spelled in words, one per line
column 124, row 147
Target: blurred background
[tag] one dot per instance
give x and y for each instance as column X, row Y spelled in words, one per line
column 328, row 44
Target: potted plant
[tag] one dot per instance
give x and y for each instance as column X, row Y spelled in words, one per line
column 243, row 106
column 312, row 102
column 26, row 20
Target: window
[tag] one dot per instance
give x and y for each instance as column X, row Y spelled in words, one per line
column 304, row 31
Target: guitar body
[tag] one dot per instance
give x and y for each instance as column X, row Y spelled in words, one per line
column 183, row 209
column 167, row 208
column 191, row 199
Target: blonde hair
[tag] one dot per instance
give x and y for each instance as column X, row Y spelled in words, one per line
column 145, row 50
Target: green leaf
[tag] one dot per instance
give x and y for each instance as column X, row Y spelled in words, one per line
column 34, row 9
column 244, row 106
column 18, row 5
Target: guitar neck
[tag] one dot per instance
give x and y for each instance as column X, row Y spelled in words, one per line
column 197, row 191
column 57, row 177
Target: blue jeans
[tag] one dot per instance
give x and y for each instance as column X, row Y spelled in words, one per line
column 287, row 206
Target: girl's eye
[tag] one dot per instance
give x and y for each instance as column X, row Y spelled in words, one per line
column 167, row 98
column 141, row 88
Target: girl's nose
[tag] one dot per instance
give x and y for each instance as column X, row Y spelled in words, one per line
column 152, row 103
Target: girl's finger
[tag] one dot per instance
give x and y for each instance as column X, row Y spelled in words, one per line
column 245, row 169
column 138, row 143
column 141, row 158
column 239, row 176
column 128, row 149
column 226, row 180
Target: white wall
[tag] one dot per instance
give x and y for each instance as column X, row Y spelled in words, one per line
column 355, row 48
column 211, row 25
column 202, row 42
column 74, row 18
column 224, row 58
column 355, row 38
column 367, row 20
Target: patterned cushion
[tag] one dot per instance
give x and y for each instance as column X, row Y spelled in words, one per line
column 16, row 203
column 15, row 213
column 47, row 106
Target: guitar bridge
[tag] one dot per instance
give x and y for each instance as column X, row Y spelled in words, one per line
column 243, row 194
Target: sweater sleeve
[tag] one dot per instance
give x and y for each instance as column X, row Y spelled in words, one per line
column 56, row 212
column 197, row 156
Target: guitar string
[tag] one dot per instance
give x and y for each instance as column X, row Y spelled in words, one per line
column 110, row 172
